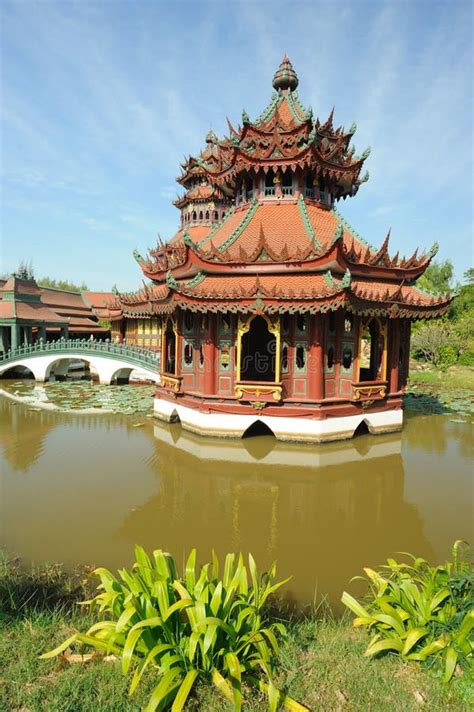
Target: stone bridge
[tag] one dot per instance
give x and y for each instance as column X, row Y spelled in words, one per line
column 110, row 361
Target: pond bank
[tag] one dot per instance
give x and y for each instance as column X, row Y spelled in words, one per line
column 322, row 666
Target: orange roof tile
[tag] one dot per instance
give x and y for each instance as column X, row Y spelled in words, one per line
column 298, row 286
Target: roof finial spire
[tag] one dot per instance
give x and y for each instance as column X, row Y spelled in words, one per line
column 285, row 76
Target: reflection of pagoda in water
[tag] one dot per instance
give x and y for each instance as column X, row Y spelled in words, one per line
column 322, row 522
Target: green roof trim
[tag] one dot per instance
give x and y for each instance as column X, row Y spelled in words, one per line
column 346, row 280
column 137, row 256
column 195, row 281
column 349, row 227
column 329, row 279
column 217, row 227
column 171, row 281
column 338, row 233
column 307, row 223
column 187, row 239
column 240, row 227
column 269, row 110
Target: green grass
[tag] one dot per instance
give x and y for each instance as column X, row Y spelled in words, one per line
column 322, row 666
column 456, row 377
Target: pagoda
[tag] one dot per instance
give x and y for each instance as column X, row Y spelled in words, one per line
column 275, row 314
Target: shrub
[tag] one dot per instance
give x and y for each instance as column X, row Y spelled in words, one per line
column 467, row 357
column 420, row 612
column 190, row 628
column 431, row 340
column 447, row 356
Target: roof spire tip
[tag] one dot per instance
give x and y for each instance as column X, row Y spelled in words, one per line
column 285, row 76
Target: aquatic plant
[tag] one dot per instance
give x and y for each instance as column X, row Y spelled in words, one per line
column 420, row 612
column 190, row 628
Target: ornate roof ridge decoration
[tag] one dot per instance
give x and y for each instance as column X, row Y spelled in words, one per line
column 216, row 227
column 347, row 279
column 263, row 252
column 349, row 227
column 258, row 289
column 137, row 256
column 435, row 295
column 196, row 281
column 283, row 136
column 307, row 223
column 240, row 227
column 171, row 281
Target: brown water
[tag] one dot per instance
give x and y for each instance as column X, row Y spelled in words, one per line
column 86, row 488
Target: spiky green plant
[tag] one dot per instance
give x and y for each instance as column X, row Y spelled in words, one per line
column 198, row 627
column 421, row 612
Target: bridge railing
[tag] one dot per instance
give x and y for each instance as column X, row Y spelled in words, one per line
column 107, row 348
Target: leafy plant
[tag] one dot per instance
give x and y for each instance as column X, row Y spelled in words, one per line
column 190, row 628
column 421, row 612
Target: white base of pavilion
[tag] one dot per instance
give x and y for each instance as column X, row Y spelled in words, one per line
column 229, row 425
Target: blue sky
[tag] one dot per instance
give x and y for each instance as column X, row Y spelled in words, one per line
column 101, row 101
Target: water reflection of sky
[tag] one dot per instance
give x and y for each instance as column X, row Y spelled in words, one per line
column 86, row 488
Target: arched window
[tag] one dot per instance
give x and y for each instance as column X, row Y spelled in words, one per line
column 284, row 358
column 188, row 354
column 347, row 358
column 300, row 358
column 223, row 215
column 200, row 215
column 207, row 214
column 216, row 215
column 194, row 216
column 330, row 358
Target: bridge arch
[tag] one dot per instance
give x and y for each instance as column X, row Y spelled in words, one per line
column 17, row 371
column 107, row 360
column 60, row 368
column 121, row 375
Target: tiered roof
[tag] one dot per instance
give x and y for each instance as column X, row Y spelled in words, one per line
column 24, row 300
column 286, row 253
column 285, row 135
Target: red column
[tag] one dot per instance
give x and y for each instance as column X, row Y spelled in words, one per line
column 209, row 355
column 394, row 351
column 316, row 359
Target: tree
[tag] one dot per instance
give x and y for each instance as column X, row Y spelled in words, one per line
column 62, row 284
column 436, row 342
column 25, row 270
column 469, row 276
column 438, row 278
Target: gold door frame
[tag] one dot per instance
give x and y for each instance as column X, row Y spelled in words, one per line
column 243, row 327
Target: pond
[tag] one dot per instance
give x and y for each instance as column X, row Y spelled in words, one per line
column 83, row 488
